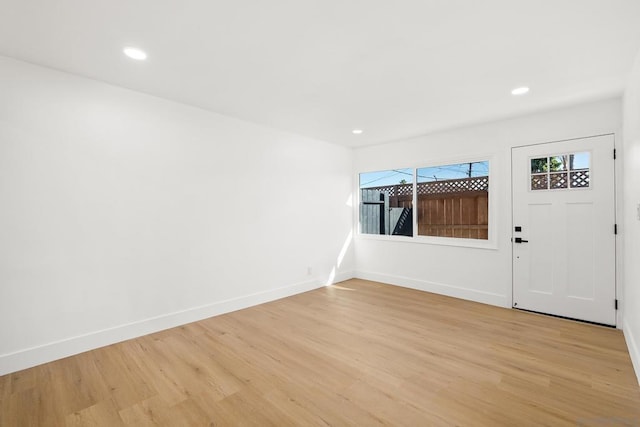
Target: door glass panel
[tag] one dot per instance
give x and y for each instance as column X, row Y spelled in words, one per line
column 580, row 179
column 539, row 182
column 560, row 172
column 539, row 165
column 579, row 161
column 558, row 180
column 558, row 163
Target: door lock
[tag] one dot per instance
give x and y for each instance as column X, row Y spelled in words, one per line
column 521, row 240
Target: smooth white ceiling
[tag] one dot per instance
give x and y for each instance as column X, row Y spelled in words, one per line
column 322, row 68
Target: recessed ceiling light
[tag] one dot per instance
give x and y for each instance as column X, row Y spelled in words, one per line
column 520, row 90
column 135, row 53
column 357, row 131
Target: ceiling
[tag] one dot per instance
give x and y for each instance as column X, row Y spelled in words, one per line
column 321, row 68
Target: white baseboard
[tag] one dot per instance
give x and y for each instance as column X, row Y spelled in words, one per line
column 342, row 276
column 437, row 288
column 34, row 356
column 632, row 345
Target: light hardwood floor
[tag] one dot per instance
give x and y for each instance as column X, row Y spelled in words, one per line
column 357, row 353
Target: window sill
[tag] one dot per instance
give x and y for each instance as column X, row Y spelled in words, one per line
column 438, row 241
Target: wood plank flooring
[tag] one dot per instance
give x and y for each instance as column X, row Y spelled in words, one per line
column 357, row 353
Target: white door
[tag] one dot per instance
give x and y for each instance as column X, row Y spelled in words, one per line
column 563, row 229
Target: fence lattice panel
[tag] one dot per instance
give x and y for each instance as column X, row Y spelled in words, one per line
column 450, row 186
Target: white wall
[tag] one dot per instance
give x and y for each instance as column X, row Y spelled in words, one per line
column 122, row 214
column 631, row 213
column 477, row 274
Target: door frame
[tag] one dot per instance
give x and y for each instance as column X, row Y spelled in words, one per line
column 616, row 199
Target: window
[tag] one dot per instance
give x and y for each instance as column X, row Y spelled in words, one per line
column 449, row 201
column 560, row 172
column 386, row 202
column 453, row 200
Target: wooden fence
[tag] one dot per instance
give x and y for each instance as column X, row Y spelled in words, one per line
column 448, row 208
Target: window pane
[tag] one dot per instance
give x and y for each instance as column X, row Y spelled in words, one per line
column 558, row 163
column 579, row 161
column 386, row 202
column 453, row 200
column 580, row 179
column 539, row 165
column 540, row 182
column 558, row 180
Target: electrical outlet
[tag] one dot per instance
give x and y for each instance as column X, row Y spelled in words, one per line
column 638, row 211
column 309, row 271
